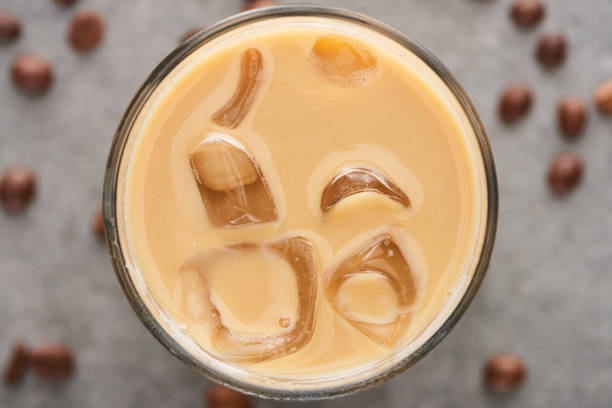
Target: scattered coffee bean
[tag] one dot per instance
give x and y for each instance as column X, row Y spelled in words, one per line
column 97, row 224
column 219, row 396
column 31, row 73
column 565, row 173
column 255, row 4
column 86, row 30
column 10, row 27
column 504, row 372
column 572, row 116
column 515, row 102
column 52, row 362
column 17, row 188
column 17, row 364
column 65, row 3
column 603, row 97
column 190, row 33
column 527, row 13
column 551, row 49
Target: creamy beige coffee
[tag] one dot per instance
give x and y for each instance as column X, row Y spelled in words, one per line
column 303, row 200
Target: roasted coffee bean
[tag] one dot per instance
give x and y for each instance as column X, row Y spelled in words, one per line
column 65, row 3
column 97, row 224
column 31, row 73
column 603, row 97
column 515, row 102
column 255, row 4
column 219, row 396
column 572, row 116
column 190, row 33
column 10, row 27
column 565, row 173
column 86, row 30
column 52, row 362
column 551, row 49
column 527, row 13
column 17, row 188
column 504, row 372
column 17, row 364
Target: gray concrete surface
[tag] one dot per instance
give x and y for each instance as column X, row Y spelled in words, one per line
column 548, row 294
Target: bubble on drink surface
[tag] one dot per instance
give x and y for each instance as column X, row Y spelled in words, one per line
column 231, row 184
column 207, row 303
column 344, row 60
column 359, row 180
column 284, row 321
column 374, row 290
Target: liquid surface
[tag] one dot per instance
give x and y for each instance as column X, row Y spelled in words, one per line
column 302, row 202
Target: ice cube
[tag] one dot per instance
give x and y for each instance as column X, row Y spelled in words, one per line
column 231, row 184
column 257, row 301
column 374, row 290
column 238, row 106
column 344, row 60
column 359, row 180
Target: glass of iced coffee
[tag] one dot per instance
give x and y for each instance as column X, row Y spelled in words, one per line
column 300, row 202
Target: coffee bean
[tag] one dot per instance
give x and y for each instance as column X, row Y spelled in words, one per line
column 504, row 372
column 603, row 97
column 17, row 364
column 17, row 188
column 515, row 102
column 565, row 173
column 527, row 13
column 97, row 224
column 255, row 4
column 65, row 3
column 10, row 27
column 86, row 30
column 572, row 116
column 31, row 73
column 190, row 33
column 52, row 362
column 219, row 396
column 551, row 49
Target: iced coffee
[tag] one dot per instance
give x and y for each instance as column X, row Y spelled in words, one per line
column 302, row 200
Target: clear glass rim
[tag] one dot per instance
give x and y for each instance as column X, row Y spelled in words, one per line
column 111, row 181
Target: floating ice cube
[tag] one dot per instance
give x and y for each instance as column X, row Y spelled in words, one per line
column 238, row 106
column 231, row 184
column 258, row 301
column 374, row 290
column 359, row 180
column 344, row 60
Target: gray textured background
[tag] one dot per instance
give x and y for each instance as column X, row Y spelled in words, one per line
column 548, row 294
